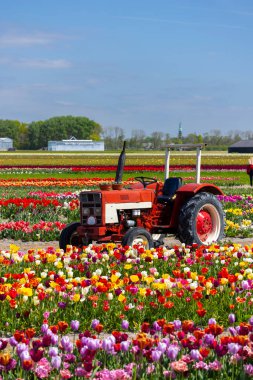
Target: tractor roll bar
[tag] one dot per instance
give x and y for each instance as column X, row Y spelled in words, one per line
column 170, row 147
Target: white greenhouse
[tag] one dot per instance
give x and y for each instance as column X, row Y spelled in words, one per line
column 76, row 145
column 6, row 143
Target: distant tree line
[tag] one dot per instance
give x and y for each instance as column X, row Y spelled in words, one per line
column 35, row 135
column 114, row 137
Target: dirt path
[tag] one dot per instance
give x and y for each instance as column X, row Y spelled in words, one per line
column 24, row 246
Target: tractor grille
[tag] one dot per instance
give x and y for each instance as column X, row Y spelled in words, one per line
column 91, row 206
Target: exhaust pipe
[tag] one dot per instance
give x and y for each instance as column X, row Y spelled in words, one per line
column 121, row 163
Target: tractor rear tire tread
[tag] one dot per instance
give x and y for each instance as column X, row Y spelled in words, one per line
column 188, row 213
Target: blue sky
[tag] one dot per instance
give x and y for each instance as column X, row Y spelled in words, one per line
column 134, row 64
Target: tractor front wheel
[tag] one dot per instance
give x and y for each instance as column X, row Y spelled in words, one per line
column 201, row 220
column 137, row 235
column 69, row 236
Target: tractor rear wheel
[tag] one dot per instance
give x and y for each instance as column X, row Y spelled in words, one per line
column 69, row 236
column 201, row 220
column 137, row 235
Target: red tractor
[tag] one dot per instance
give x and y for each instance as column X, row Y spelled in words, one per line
column 148, row 210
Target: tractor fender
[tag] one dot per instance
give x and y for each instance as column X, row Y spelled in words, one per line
column 188, row 191
column 193, row 188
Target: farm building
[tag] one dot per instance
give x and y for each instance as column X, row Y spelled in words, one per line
column 76, row 145
column 6, row 143
column 243, row 146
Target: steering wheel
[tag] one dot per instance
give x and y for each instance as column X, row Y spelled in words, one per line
column 145, row 181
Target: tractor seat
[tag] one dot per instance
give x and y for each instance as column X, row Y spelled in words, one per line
column 169, row 189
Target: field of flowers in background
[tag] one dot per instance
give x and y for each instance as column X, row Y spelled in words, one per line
column 112, row 312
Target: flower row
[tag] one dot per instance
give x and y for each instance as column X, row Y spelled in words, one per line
column 108, row 312
column 98, row 168
column 163, row 350
column 109, row 281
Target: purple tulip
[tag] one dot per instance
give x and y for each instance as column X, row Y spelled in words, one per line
column 212, row 321
column 44, row 328
column 12, row 341
column 83, row 351
column 162, row 347
column 118, row 291
column 69, row 358
column 74, row 325
column 94, row 323
column 232, row 331
column 54, row 339
column 166, row 341
column 208, row 339
column 80, row 372
column 177, row 324
column 156, row 327
column 248, row 368
column 125, row 324
column 245, row 285
column 172, row 351
column 62, row 305
column 231, row 318
column 69, row 347
column 124, row 346
column 56, row 362
column 24, row 355
column 195, row 355
column 65, row 341
column 107, row 345
column 20, row 348
column 49, row 333
column 233, row 348
column 93, row 344
column 156, row 355
column 53, row 351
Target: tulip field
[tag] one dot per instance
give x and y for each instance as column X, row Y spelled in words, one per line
column 108, row 312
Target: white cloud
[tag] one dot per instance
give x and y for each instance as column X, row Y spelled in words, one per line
column 12, row 39
column 37, row 63
column 44, row 63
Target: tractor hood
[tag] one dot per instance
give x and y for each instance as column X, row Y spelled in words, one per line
column 128, row 196
column 116, row 200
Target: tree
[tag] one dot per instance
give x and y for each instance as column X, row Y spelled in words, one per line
column 14, row 130
column 62, row 128
column 193, row 138
column 34, row 141
column 137, row 139
column 23, row 136
column 113, row 138
column 157, row 138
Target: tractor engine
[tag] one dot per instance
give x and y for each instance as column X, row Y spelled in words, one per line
column 107, row 215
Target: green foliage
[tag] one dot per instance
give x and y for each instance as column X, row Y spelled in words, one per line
column 14, row 130
column 37, row 134
column 60, row 128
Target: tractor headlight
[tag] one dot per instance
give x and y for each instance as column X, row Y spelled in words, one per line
column 86, row 211
column 97, row 211
column 130, row 223
column 91, row 220
column 136, row 213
